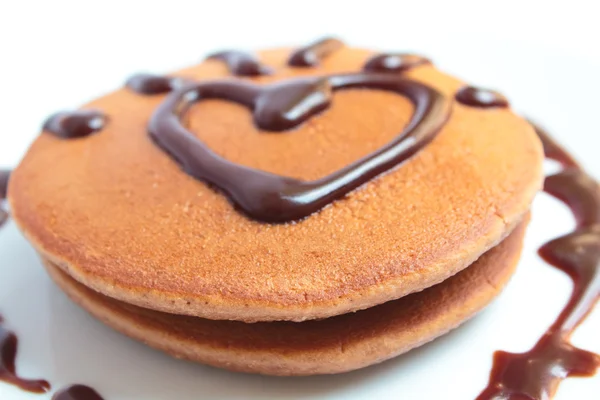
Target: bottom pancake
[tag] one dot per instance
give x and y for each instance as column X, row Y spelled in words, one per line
column 333, row 345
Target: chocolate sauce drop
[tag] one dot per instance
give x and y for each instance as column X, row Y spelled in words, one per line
column 8, row 354
column 482, row 98
column 284, row 105
column 153, row 84
column 311, row 55
column 241, row 63
column 537, row 373
column 77, row 392
column 394, row 63
column 75, row 124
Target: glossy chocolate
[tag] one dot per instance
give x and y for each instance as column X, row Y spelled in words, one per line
column 77, row 392
column 313, row 54
column 482, row 98
column 241, row 63
column 153, row 84
column 394, row 62
column 278, row 107
column 281, row 106
column 8, row 340
column 8, row 355
column 4, row 176
column 75, row 124
column 537, row 373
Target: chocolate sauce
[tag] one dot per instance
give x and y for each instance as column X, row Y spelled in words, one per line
column 8, row 340
column 77, row 392
column 4, row 176
column 9, row 346
column 241, row 63
column 278, row 107
column 394, row 63
column 284, row 105
column 8, row 354
column 311, row 55
column 537, row 373
column 482, row 98
column 75, row 124
column 153, row 84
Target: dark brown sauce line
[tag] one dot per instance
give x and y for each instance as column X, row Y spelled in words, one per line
column 9, row 344
column 8, row 340
column 580, row 193
column 537, row 373
column 272, row 198
column 8, row 353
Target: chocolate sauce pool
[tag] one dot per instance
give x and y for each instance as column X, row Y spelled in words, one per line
column 537, row 373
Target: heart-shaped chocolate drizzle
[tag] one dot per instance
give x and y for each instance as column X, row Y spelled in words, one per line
column 272, row 198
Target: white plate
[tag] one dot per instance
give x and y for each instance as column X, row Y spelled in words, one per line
column 58, row 60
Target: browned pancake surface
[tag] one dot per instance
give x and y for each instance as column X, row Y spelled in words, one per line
column 118, row 214
column 332, row 345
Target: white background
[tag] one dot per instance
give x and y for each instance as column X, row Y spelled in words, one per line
column 543, row 55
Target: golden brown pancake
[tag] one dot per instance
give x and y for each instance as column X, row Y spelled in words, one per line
column 117, row 214
column 332, row 345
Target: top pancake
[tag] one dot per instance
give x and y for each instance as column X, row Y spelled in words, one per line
column 115, row 212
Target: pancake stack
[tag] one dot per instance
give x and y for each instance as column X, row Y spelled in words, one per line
column 294, row 212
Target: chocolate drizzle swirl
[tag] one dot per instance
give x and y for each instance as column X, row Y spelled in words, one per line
column 77, row 392
column 241, row 63
column 311, row 55
column 284, row 105
column 537, row 373
column 153, row 84
column 394, row 63
column 482, row 98
column 75, row 124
